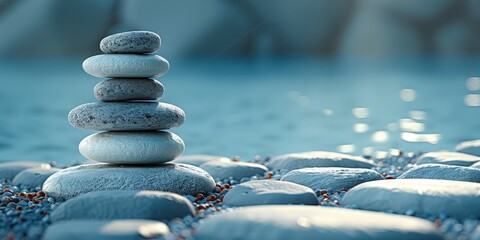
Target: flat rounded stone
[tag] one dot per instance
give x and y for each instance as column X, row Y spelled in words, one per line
column 313, row 222
column 8, row 170
column 33, row 177
column 152, row 205
column 445, row 172
column 199, row 159
column 317, row 159
column 126, row 66
column 133, row 229
column 331, row 178
column 269, row 192
column 226, row 169
column 469, row 147
column 121, row 116
column 131, row 42
column 424, row 197
column 125, row 89
column 168, row 177
column 132, row 147
column 448, row 158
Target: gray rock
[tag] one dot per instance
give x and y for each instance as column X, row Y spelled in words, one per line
column 131, row 42
column 469, row 147
column 126, row 66
column 113, row 116
column 448, row 158
column 33, row 177
column 125, row 89
column 144, row 147
column 152, row 205
column 269, row 192
column 445, row 172
column 8, row 170
column 313, row 222
column 168, row 177
column 476, row 234
column 199, row 159
column 331, row 178
column 236, row 170
column 424, row 197
column 108, row 230
column 317, row 159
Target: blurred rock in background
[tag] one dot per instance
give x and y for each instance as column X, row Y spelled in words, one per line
column 216, row 28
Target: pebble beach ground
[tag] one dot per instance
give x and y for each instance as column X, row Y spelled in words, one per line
column 25, row 212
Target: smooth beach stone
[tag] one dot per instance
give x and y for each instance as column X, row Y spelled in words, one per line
column 199, row 159
column 445, row 172
column 126, row 66
column 469, row 147
column 226, row 169
column 269, row 192
column 331, row 178
column 133, row 229
column 317, row 159
column 121, row 116
column 8, row 170
column 168, row 177
column 125, row 89
column 132, row 147
column 313, row 222
column 131, row 42
column 476, row 234
column 424, row 197
column 152, row 205
column 33, row 177
column 448, row 158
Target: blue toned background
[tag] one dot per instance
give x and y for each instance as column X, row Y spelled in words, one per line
column 254, row 77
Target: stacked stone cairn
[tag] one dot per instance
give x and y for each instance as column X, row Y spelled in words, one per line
column 133, row 148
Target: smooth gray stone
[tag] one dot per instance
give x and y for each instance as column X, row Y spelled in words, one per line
column 144, row 147
column 8, row 170
column 131, row 42
column 331, row 178
column 444, row 172
column 116, row 116
column 151, row 205
column 126, row 66
column 125, row 89
column 226, row 169
column 269, row 192
column 476, row 234
column 313, row 222
column 33, row 177
column 199, row 159
column 424, row 197
column 133, row 229
column 168, row 177
column 317, row 159
column 469, row 147
column 448, row 158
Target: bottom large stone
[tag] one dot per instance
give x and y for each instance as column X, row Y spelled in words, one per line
column 168, row 177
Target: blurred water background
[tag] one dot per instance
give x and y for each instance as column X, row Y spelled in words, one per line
column 254, row 77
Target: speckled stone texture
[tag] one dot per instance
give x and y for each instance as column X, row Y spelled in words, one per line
column 125, row 89
column 269, row 192
column 445, row 172
column 126, row 66
column 145, row 147
column 133, row 229
column 331, row 178
column 131, row 42
column 425, row 197
column 151, row 205
column 313, row 222
column 168, row 177
column 116, row 116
